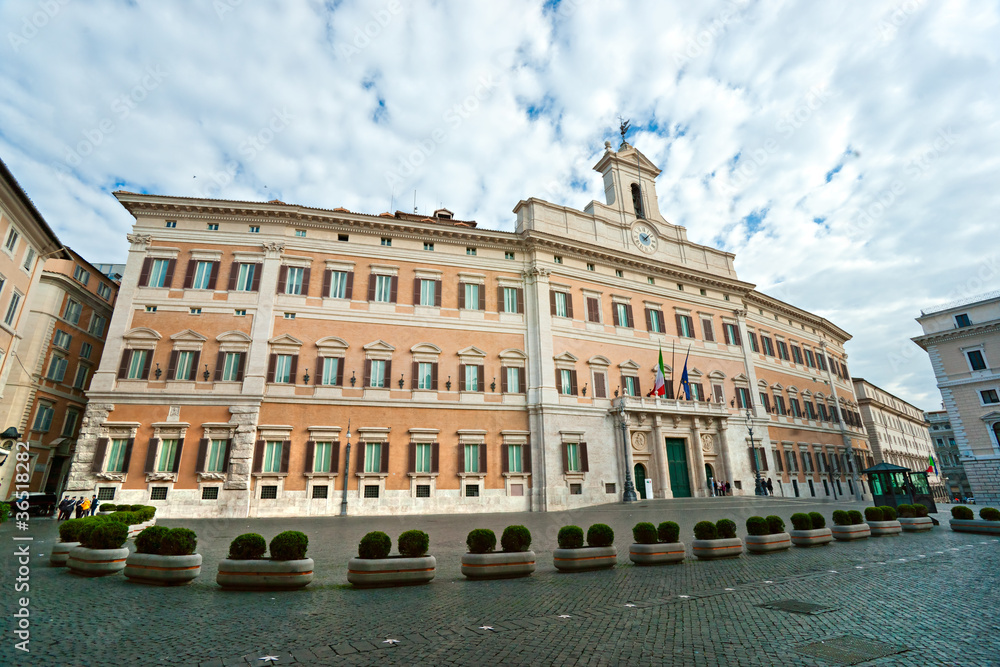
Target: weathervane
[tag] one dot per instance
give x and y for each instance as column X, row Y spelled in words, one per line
column 623, row 128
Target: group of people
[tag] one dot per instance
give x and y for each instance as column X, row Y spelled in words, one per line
column 82, row 506
column 766, row 488
column 720, row 488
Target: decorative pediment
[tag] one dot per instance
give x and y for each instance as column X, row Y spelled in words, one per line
column 471, row 351
column 991, row 416
column 379, row 346
column 666, row 369
column 567, row 357
column 332, row 341
column 598, row 360
column 717, row 375
column 806, row 393
column 741, row 378
column 762, row 384
column 792, row 389
column 694, row 373
column 777, row 386
column 188, row 336
column 233, row 337
column 511, row 353
column 820, row 396
column 425, row 348
column 285, row 339
column 142, row 333
column 629, row 366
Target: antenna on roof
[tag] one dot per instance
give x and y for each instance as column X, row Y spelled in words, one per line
column 414, row 201
column 392, row 197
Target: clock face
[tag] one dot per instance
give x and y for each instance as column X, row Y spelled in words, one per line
column 644, row 238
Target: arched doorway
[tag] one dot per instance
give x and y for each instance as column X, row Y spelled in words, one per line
column 710, row 478
column 640, row 480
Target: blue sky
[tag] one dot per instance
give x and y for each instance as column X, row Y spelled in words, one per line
column 846, row 152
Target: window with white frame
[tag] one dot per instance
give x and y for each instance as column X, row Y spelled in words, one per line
column 322, row 456
column 11, row 316
column 989, row 397
column 472, row 457
column 510, row 299
column 57, row 368
column 425, row 375
column 573, row 457
column 513, row 380
column 165, row 460
column 158, row 273
column 81, row 274
column 10, row 245
column 373, row 457
column 283, row 368
column 377, row 373
column 62, row 339
column 104, row 291
column 472, row 296
column 72, row 311
column 560, row 301
column 471, row 377
column 29, row 259
column 82, row 373
column 428, row 292
column 116, row 455
column 977, row 362
column 136, row 364
column 272, row 456
column 185, row 365
column 244, row 277
column 331, row 365
column 631, row 387
column 231, row 366
column 202, row 275
column 422, row 463
column 43, row 418
column 566, row 381
column 515, row 458
column 97, row 324
column 215, row 457
column 294, row 280
column 383, row 289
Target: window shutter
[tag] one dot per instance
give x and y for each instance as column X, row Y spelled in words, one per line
column 368, row 373
column 569, row 305
column 306, row 276
column 335, row 456
column 503, row 380
column 371, row 287
column 168, row 279
column 680, row 327
column 195, row 360
column 327, row 282
column 416, row 291
column 189, row 274
column 500, row 299
column 717, row 389
column 461, row 296
column 461, row 458
column 151, row 455
column 709, row 330
column 736, row 333
column 600, row 388
column 177, row 456
column 412, row 447
column 387, row 375
column 234, row 274
column 123, row 366
column 593, row 309
column 293, row 376
column 526, row 457
column 434, row 456
column 482, row 458
column 384, row 466
column 349, row 290
column 172, row 365
column 631, row 320
column 97, row 465
column 318, row 371
column 572, row 375
column 552, row 302
column 286, row 450
column 437, row 293
column 128, row 454
column 649, row 320
column 414, row 373
column 434, row 376
column 584, row 463
column 147, row 265
column 271, row 363
column 482, row 297
column 213, row 276
column 767, row 401
column 199, row 464
column 614, row 315
column 505, row 458
column 361, row 457
column 393, row 288
column 220, row 363
column 257, row 270
column 520, row 300
column 242, row 366
column 670, row 388
column 622, row 385
column 565, row 457
column 481, row 380
column 258, row 456
column 558, row 381
column 520, row 377
column 340, row 372
column 310, row 455
column 282, row 279
column 145, row 367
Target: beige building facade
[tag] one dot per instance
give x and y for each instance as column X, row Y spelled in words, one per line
column 962, row 340
column 265, row 358
column 947, row 456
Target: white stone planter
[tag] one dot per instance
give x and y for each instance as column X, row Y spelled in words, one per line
column 812, row 538
column 880, row 528
column 765, row 544
column 137, row 528
column 60, row 553
column 392, row 571
column 162, row 570
column 498, row 565
column 729, row 547
column 96, row 562
column 975, row 526
column 256, row 575
column 584, row 558
column 660, row 553
column 916, row 524
column 858, row 531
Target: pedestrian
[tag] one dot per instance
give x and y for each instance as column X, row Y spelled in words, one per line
column 94, row 502
column 78, row 506
column 729, row 489
column 770, row 487
column 86, row 506
column 62, row 507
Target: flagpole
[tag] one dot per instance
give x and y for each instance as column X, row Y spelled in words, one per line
column 673, row 365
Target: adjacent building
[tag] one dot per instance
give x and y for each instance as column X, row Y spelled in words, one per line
column 947, row 456
column 269, row 359
column 962, row 339
column 897, row 432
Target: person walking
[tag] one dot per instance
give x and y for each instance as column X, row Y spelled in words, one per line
column 770, row 487
column 86, row 506
column 62, row 508
column 78, row 506
column 94, row 502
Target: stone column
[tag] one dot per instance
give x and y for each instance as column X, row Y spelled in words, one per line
column 81, row 479
column 541, row 379
column 698, row 477
column 727, row 462
column 660, row 454
column 241, row 452
column 263, row 321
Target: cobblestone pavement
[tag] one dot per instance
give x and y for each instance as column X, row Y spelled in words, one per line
column 931, row 596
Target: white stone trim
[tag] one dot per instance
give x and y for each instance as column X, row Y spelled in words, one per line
column 471, row 436
column 384, row 269
column 427, row 274
column 203, row 255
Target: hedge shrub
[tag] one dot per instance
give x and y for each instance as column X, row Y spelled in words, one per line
column 249, row 546
column 906, row 511
column 725, row 528
column 962, row 513
column 570, row 537
column 757, row 525
column 921, row 510
column 69, row 531
column 600, row 535
column 888, row 513
column 775, row 525
column 289, row 545
column 669, row 532
column 840, row 518
column 375, row 544
column 413, row 543
column 705, row 530
column 855, row 517
column 989, row 514
column 515, row 538
column 801, row 521
column 106, row 535
column 149, row 540
column 107, row 507
column 644, row 533
column 178, row 542
column 481, row 541
column 818, row 520
column 873, row 514
column 87, row 526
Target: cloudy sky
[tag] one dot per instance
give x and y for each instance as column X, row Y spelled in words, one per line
column 848, row 152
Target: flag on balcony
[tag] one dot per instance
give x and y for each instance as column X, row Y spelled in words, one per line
column 660, row 383
column 684, row 377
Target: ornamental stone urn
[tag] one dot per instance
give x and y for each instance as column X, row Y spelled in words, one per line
column 723, row 547
column 267, row 575
column 60, row 553
column 585, row 558
column 880, row 528
column 391, row 571
column 659, row 553
column 915, row 524
column 763, row 544
column 812, row 538
column 96, row 562
column 498, row 565
column 162, row 570
column 857, row 531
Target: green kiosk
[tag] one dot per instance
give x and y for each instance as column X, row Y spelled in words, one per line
column 894, row 485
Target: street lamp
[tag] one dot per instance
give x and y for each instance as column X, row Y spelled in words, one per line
column 347, row 468
column 628, row 496
column 748, row 417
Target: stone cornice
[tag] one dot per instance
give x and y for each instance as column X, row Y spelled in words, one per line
column 973, row 331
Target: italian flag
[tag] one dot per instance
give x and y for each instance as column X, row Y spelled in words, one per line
column 660, row 383
column 930, row 464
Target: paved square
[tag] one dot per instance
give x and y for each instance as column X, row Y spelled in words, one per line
column 930, row 593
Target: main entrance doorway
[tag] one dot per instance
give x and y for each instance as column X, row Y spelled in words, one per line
column 640, row 480
column 677, row 465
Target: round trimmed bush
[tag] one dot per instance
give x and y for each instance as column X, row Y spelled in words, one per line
column 705, row 530
column 106, row 535
column 873, row 514
column 644, row 533
column 87, row 525
column 989, row 514
column 481, row 541
column 249, row 546
column 132, row 508
column 921, row 510
column 146, row 513
column 757, row 525
column 289, row 545
column 413, row 543
column 600, row 535
column 775, row 525
column 107, row 507
column 840, row 518
column 888, row 513
column 69, row 530
column 149, row 540
column 818, row 520
column 177, row 542
column 375, row 544
column 668, row 532
column 962, row 513
column 801, row 521
column 906, row 511
column 570, row 537
column 855, row 518
column 725, row 528
column 515, row 538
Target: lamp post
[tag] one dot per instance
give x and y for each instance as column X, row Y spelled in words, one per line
column 347, row 468
column 748, row 417
column 628, row 496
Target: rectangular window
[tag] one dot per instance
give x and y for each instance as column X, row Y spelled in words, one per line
column 572, row 457
column 202, row 275
column 43, row 418
column 708, row 329
column 255, row 229
column 472, row 296
column 378, row 373
column 137, row 364
column 116, row 457
column 322, row 456
column 470, row 252
column 510, row 299
column 231, row 366
column 158, row 493
column 150, row 309
column 293, row 280
column 11, row 243
column 428, row 292
column 240, row 312
column 195, row 311
column 753, row 342
column 513, row 380
column 62, row 339
column 272, row 456
column 80, row 381
column 244, row 277
column 185, row 366
column 106, row 493
column 809, row 358
column 386, row 242
column 515, row 458
column 590, row 267
column 600, row 385
column 796, row 355
column 566, row 381
column 425, row 373
column 423, row 458
column 742, row 398
column 976, row 360
column 373, row 459
column 631, row 385
column 621, row 314
column 165, row 461
column 779, row 404
column 371, row 491
column 696, row 392
column 821, row 361
column 158, row 273
column 655, row 319
column 989, row 396
column 471, row 490
column 96, row 327
column 269, row 492
column 508, row 255
column 593, row 309
column 793, row 403
column 338, row 284
column 321, row 491
column 428, row 245
column 619, row 273
column 810, row 410
column 471, row 377
column 69, row 426
column 283, row 368
column 57, row 368
column 767, row 345
column 383, row 289
column 561, row 308
column 962, row 321
column 209, row 493
column 104, row 291
column 732, row 334
column 343, row 238
column 300, row 233
column 216, row 456
column 609, row 487
column 783, row 350
column 330, row 367
column 81, row 274
column 171, row 224
column 719, row 393
column 213, row 226
column 822, row 412
column 557, row 259
column 29, row 259
column 15, row 301
column 685, row 326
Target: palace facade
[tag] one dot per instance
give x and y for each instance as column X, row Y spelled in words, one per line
column 264, row 357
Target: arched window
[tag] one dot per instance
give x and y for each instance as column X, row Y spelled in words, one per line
column 637, row 201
